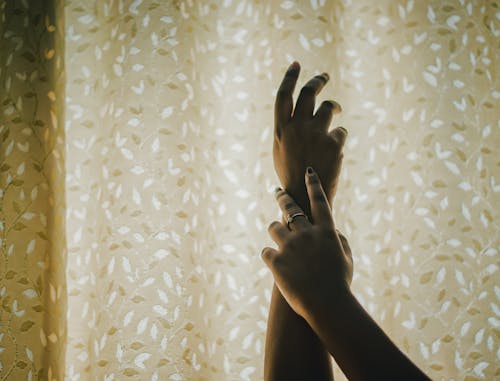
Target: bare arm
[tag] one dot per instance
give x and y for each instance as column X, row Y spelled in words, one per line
column 293, row 351
column 313, row 272
column 358, row 344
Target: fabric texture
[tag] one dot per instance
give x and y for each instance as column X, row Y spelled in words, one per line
column 136, row 180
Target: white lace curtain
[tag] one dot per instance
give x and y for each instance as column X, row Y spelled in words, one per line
column 136, row 178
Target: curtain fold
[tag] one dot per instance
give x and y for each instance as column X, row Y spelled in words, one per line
column 136, row 180
column 33, row 263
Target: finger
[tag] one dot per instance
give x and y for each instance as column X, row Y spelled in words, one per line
column 320, row 208
column 305, row 103
column 278, row 232
column 290, row 208
column 325, row 113
column 284, row 98
column 339, row 134
column 345, row 244
column 269, row 255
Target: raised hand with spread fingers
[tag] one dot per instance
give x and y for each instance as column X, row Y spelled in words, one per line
column 303, row 138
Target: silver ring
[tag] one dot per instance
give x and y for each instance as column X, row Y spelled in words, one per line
column 291, row 217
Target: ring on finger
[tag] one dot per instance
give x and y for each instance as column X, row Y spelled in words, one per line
column 291, row 217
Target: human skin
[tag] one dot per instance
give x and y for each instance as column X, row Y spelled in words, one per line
column 301, row 138
column 313, row 271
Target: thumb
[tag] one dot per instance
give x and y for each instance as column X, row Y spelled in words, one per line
column 268, row 255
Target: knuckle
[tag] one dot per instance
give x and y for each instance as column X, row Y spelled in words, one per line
column 273, row 225
column 305, row 235
column 267, row 255
column 280, row 194
column 318, row 196
column 275, row 261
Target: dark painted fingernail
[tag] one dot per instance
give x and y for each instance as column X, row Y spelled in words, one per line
column 294, row 67
column 327, row 77
column 310, row 171
column 277, row 190
column 343, row 129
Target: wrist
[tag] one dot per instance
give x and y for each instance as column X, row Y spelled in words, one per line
column 325, row 311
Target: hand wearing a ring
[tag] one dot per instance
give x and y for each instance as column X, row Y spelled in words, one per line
column 313, row 263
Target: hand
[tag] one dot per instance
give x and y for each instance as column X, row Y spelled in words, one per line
column 302, row 139
column 313, row 265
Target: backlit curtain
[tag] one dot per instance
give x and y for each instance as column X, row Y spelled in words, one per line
column 136, row 180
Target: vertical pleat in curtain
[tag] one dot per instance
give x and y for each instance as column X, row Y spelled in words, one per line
column 138, row 225
column 32, row 207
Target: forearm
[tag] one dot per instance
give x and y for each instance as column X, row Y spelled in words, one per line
column 293, row 350
column 360, row 347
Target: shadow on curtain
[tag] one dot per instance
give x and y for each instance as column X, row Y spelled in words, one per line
column 32, row 206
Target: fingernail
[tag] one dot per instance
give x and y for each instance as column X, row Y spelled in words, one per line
column 310, row 171
column 345, row 131
column 327, row 77
column 277, row 190
column 295, row 66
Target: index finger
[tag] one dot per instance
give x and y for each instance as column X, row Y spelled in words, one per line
column 283, row 106
column 320, row 208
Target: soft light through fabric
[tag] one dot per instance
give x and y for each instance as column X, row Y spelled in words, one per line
column 136, row 180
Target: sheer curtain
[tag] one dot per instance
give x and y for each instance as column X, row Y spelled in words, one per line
column 136, row 180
